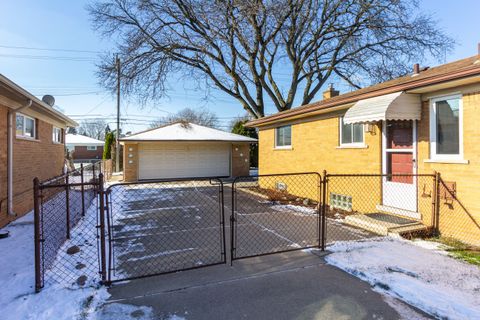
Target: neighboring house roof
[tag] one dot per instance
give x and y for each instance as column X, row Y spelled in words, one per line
column 181, row 131
column 469, row 67
column 10, row 91
column 80, row 140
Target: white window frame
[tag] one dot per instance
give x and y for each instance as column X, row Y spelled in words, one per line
column 350, row 144
column 54, row 136
column 23, row 135
column 285, row 146
column 92, row 148
column 433, row 129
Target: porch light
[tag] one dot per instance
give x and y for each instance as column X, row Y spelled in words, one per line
column 369, row 128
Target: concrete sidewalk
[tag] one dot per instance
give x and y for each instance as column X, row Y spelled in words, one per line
column 294, row 285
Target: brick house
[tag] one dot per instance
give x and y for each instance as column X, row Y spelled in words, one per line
column 421, row 123
column 31, row 145
column 84, row 149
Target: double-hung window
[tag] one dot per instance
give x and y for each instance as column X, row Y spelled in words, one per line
column 25, row 126
column 91, row 148
column 57, row 135
column 351, row 134
column 283, row 137
column 446, row 138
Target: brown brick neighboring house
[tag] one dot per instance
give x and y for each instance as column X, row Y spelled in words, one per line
column 84, row 149
column 33, row 148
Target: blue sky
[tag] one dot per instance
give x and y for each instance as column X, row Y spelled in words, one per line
column 62, row 24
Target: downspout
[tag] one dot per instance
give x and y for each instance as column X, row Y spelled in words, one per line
column 10, row 157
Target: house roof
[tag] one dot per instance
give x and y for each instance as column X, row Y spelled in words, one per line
column 447, row 72
column 13, row 91
column 181, row 131
column 80, row 140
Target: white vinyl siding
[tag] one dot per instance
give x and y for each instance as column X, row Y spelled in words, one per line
column 183, row 160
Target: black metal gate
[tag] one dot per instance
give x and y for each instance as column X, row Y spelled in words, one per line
column 164, row 226
column 275, row 213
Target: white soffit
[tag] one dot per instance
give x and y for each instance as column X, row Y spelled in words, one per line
column 393, row 106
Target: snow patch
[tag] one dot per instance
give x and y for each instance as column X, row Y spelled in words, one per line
column 431, row 281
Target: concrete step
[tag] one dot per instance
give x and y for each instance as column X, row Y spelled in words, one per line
column 398, row 211
column 379, row 227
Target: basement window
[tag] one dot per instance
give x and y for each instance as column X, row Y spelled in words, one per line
column 25, row 126
column 340, row 201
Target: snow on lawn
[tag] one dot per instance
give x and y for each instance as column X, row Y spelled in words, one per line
column 19, row 301
column 417, row 273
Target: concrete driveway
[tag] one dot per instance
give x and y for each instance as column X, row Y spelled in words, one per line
column 164, row 227
column 294, row 285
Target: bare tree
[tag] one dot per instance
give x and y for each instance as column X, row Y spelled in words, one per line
column 256, row 50
column 93, row 128
column 202, row 117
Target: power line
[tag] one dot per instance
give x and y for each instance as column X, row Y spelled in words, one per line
column 49, row 49
column 74, row 94
column 57, row 58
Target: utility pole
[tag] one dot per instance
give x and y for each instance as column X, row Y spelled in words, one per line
column 117, row 142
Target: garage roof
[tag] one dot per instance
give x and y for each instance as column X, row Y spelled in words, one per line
column 81, row 140
column 186, row 131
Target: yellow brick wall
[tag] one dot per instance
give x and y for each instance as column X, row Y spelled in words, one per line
column 457, row 217
column 315, row 147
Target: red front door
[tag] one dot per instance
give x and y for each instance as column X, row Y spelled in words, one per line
column 399, row 150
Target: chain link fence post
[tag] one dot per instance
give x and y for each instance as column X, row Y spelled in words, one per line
column 436, row 222
column 82, row 189
column 67, row 204
column 324, row 209
column 37, row 236
column 101, row 195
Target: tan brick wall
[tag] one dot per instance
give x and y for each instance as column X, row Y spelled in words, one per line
column 40, row 158
column 240, row 159
column 3, row 163
column 130, row 163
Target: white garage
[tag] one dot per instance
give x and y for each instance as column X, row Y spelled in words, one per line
column 184, row 150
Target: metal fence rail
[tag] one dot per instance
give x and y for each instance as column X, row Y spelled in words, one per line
column 157, row 227
column 275, row 213
column 65, row 224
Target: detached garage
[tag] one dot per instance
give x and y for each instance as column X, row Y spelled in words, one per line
column 184, row 150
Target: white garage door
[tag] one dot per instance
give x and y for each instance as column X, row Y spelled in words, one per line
column 183, row 160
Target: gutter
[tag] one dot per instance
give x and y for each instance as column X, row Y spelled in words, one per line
column 19, row 90
column 10, row 134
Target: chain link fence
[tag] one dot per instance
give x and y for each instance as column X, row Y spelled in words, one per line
column 275, row 213
column 159, row 227
column 66, row 233
column 367, row 205
column 454, row 221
